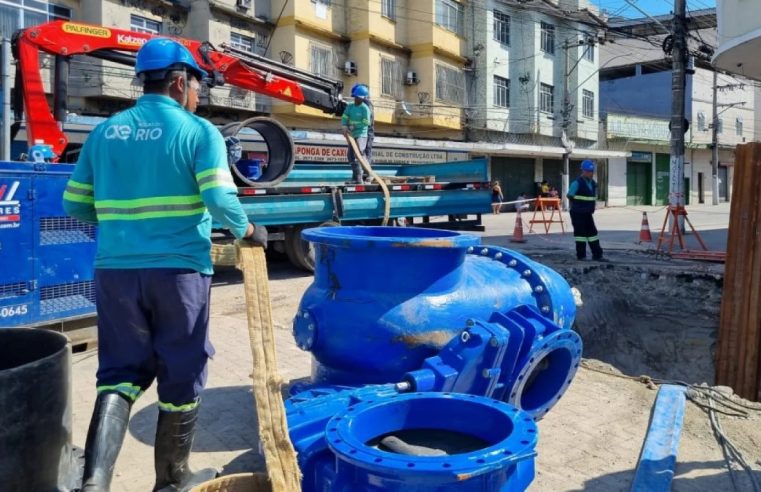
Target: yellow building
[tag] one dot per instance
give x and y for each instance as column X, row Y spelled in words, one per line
column 409, row 53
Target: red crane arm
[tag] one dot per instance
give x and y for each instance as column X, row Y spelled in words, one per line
column 65, row 39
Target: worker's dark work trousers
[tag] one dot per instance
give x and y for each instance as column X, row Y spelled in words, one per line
column 584, row 231
column 153, row 324
column 356, row 167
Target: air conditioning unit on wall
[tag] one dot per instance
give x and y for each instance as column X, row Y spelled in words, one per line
column 411, row 79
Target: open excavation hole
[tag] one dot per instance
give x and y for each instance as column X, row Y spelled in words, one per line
column 654, row 318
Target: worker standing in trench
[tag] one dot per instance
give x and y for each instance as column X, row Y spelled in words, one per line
column 583, row 195
column 147, row 177
column 355, row 122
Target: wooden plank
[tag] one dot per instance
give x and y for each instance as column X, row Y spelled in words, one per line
column 749, row 376
column 738, row 361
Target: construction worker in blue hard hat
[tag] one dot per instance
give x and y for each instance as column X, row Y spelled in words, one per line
column 583, row 195
column 355, row 122
column 370, row 129
column 152, row 178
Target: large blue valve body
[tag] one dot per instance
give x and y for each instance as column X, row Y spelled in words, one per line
column 385, row 299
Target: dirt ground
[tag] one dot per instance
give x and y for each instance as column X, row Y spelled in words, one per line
column 590, row 441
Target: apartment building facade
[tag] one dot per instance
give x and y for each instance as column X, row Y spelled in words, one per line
column 525, row 57
column 636, row 96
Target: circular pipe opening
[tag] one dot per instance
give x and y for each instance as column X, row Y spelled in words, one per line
column 458, row 423
column 268, row 154
column 546, row 380
column 23, row 346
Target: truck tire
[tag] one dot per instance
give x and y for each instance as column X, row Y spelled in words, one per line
column 300, row 252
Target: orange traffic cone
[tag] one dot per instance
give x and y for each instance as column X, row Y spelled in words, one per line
column 644, row 232
column 518, row 230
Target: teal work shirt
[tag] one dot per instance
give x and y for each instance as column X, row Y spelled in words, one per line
column 152, row 177
column 356, row 118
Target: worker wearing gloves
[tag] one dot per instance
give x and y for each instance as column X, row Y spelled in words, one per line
column 153, row 177
column 583, row 194
column 355, row 122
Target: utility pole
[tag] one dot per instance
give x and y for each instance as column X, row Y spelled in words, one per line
column 715, row 142
column 678, row 77
column 5, row 75
column 566, row 123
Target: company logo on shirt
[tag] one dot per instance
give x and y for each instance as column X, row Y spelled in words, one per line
column 126, row 132
column 10, row 209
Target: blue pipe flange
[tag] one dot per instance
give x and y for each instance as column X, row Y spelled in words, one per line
column 305, row 329
column 554, row 299
column 544, row 372
column 480, row 444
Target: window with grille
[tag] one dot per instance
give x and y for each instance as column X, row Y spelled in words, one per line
column 548, row 38
column 501, row 92
column 141, row 24
column 587, row 104
column 449, row 15
column 18, row 14
column 321, row 60
column 388, row 9
column 391, row 78
column 739, row 126
column 701, row 121
column 243, row 43
column 324, row 2
column 450, row 85
column 720, row 125
column 501, row 28
column 546, row 98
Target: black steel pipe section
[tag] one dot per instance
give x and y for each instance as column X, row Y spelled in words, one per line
column 280, row 151
column 35, row 411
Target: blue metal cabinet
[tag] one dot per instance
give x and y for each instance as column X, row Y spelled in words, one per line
column 46, row 257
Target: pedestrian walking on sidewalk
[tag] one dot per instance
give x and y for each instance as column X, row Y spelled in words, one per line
column 153, row 177
column 583, row 195
column 496, row 198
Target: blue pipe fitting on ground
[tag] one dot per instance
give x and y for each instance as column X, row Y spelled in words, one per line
column 519, row 357
column 339, row 437
column 385, row 299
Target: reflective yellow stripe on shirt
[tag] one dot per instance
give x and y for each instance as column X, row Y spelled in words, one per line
column 78, row 192
column 213, row 178
column 585, row 198
column 149, row 208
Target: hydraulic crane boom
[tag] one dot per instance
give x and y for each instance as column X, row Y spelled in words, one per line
column 65, row 39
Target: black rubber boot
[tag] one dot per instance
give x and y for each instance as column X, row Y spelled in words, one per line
column 174, row 438
column 104, row 440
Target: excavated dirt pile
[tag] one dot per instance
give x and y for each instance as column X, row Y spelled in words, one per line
column 647, row 316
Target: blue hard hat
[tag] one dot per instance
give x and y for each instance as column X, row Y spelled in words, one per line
column 162, row 54
column 360, row 90
column 587, row 165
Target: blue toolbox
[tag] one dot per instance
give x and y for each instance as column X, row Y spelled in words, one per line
column 46, row 257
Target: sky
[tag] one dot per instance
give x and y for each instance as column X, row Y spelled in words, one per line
column 652, row 7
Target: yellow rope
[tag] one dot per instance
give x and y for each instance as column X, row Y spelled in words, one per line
column 381, row 182
column 282, row 467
